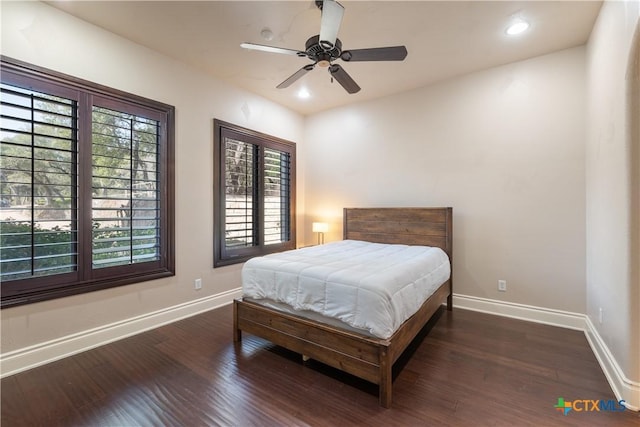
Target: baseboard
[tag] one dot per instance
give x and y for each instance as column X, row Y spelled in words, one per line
column 43, row 353
column 547, row 316
column 622, row 387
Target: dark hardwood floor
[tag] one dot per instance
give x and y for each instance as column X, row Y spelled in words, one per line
column 466, row 368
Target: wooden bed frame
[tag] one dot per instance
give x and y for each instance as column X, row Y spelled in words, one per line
column 365, row 357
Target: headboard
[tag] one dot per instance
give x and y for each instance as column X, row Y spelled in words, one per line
column 409, row 226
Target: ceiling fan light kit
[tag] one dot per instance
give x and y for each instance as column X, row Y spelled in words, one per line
column 325, row 48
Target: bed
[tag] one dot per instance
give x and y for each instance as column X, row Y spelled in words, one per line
column 358, row 353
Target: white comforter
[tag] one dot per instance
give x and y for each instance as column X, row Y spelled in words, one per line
column 370, row 286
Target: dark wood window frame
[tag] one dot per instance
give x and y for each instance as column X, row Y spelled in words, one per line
column 223, row 254
column 86, row 278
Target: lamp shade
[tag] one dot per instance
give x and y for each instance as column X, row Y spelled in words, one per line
column 320, row 227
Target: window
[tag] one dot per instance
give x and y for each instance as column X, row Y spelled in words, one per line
column 86, row 186
column 254, row 194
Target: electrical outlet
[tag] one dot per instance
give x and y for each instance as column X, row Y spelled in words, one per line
column 600, row 315
column 502, row 285
column 197, row 284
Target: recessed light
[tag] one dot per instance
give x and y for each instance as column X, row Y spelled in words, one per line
column 517, row 27
column 303, row 93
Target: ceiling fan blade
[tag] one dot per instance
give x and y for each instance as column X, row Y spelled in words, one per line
column 392, row 53
column 295, row 76
column 344, row 79
column 332, row 13
column 272, row 49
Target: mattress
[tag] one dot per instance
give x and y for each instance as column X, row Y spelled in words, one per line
column 371, row 287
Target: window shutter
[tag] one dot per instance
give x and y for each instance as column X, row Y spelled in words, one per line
column 125, row 198
column 86, row 186
column 254, row 194
column 276, row 196
column 239, row 192
column 38, row 184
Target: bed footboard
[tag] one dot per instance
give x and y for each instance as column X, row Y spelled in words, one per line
column 365, row 357
column 356, row 354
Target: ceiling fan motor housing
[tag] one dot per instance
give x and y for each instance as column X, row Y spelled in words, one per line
column 318, row 53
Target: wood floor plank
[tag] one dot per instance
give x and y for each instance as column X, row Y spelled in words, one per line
column 465, row 368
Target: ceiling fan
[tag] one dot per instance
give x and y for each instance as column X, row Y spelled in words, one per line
column 325, row 48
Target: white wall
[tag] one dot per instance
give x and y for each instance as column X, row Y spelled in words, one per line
column 504, row 147
column 39, row 34
column 613, row 190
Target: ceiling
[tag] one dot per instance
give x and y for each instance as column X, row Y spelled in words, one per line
column 443, row 38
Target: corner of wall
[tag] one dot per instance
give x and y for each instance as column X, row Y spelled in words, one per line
column 613, row 196
column 624, row 389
